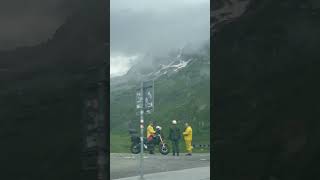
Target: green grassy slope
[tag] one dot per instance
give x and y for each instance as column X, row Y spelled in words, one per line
column 184, row 96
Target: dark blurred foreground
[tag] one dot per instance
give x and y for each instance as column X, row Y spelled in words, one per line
column 42, row 92
column 266, row 93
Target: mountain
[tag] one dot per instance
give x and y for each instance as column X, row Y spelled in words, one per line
column 152, row 67
column 182, row 92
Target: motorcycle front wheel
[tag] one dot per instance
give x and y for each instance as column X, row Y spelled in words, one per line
column 135, row 148
column 164, row 149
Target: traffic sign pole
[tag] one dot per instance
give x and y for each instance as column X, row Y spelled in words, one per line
column 145, row 102
column 141, row 134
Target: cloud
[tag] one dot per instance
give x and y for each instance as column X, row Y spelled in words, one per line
column 156, row 27
column 146, row 26
column 119, row 65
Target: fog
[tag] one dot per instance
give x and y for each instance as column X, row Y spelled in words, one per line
column 121, row 64
column 156, row 27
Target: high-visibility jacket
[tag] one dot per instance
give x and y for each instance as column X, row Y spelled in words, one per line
column 187, row 134
column 150, row 131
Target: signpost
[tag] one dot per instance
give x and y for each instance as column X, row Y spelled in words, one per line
column 145, row 104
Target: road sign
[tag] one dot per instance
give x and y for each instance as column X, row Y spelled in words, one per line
column 145, row 97
column 139, row 99
column 148, row 99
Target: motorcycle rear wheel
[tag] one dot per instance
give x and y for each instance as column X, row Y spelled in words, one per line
column 135, row 148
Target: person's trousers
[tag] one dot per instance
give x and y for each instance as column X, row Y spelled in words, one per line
column 188, row 146
column 151, row 145
column 175, row 147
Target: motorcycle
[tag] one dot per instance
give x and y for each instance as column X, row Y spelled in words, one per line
column 157, row 140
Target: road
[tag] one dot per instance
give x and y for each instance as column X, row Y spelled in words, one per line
column 127, row 165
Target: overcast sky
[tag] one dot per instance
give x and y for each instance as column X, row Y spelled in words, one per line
column 29, row 22
column 156, row 26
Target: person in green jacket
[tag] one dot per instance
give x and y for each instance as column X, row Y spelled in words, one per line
column 175, row 136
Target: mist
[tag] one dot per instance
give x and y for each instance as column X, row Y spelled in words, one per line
column 143, row 26
column 121, row 64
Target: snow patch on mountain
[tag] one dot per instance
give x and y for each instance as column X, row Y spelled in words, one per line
column 181, row 65
column 174, row 66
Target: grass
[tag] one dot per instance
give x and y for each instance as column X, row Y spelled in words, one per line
column 119, row 143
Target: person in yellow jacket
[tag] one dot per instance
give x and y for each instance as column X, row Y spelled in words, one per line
column 150, row 134
column 187, row 134
column 150, row 131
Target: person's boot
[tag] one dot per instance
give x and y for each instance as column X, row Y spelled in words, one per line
column 177, row 154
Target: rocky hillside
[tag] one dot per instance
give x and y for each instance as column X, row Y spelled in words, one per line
column 182, row 91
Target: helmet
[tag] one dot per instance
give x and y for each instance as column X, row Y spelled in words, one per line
column 174, row 122
column 158, row 127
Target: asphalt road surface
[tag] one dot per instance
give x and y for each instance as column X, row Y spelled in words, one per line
column 127, row 165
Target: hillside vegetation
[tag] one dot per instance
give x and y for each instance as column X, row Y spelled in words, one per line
column 182, row 94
